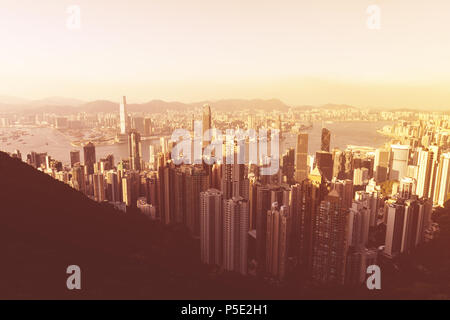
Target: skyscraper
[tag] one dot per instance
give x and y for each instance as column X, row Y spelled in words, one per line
column 329, row 253
column 78, row 178
column 266, row 195
column 301, row 156
column 124, row 122
column 279, row 125
column 112, row 187
column 134, row 150
column 358, row 224
column 178, row 200
column 160, row 188
column 434, row 166
column 263, row 204
column 206, row 122
column 164, row 145
column 412, row 225
column 424, row 162
column 99, row 187
column 130, row 189
column 288, row 165
column 89, row 157
column 306, row 197
column 358, row 259
column 211, row 227
column 338, row 164
column 277, row 240
column 325, row 140
column 148, row 127
column 394, row 229
column 251, row 121
column 345, row 191
column 442, row 184
column 234, row 182
column 138, row 124
column 381, row 165
column 324, row 161
column 407, row 187
column 398, row 161
column 348, row 167
column 235, row 233
column 196, row 181
column 74, row 157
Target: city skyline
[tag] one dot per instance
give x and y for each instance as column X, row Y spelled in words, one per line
column 321, row 219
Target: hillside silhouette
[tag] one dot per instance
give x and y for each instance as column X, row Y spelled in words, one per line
column 46, row 226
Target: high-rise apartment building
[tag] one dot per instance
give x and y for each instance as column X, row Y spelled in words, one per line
column 358, row 224
column 112, row 187
column 99, row 187
column 325, row 140
column 381, row 165
column 394, row 229
column 398, row 161
column 305, row 201
column 425, row 164
column 324, row 161
column 78, row 178
column 277, row 240
column 442, row 184
column 74, row 157
column 148, row 127
column 135, row 150
column 234, row 181
column 89, row 157
column 206, row 123
column 211, row 227
column 137, row 124
column 196, row 181
column 288, row 166
column 329, row 242
column 235, row 234
column 123, row 115
column 130, row 189
column 301, row 156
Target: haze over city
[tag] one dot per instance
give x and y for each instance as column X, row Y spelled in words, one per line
column 300, row 52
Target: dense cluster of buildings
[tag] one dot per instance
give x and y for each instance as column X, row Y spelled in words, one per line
column 317, row 215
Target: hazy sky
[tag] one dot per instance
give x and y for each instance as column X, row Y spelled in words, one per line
column 302, row 52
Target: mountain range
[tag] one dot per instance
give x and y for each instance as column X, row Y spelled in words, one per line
column 66, row 105
column 61, row 105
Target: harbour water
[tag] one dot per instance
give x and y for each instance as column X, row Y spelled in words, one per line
column 58, row 146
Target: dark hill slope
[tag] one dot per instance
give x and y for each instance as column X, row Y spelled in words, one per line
column 45, row 226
